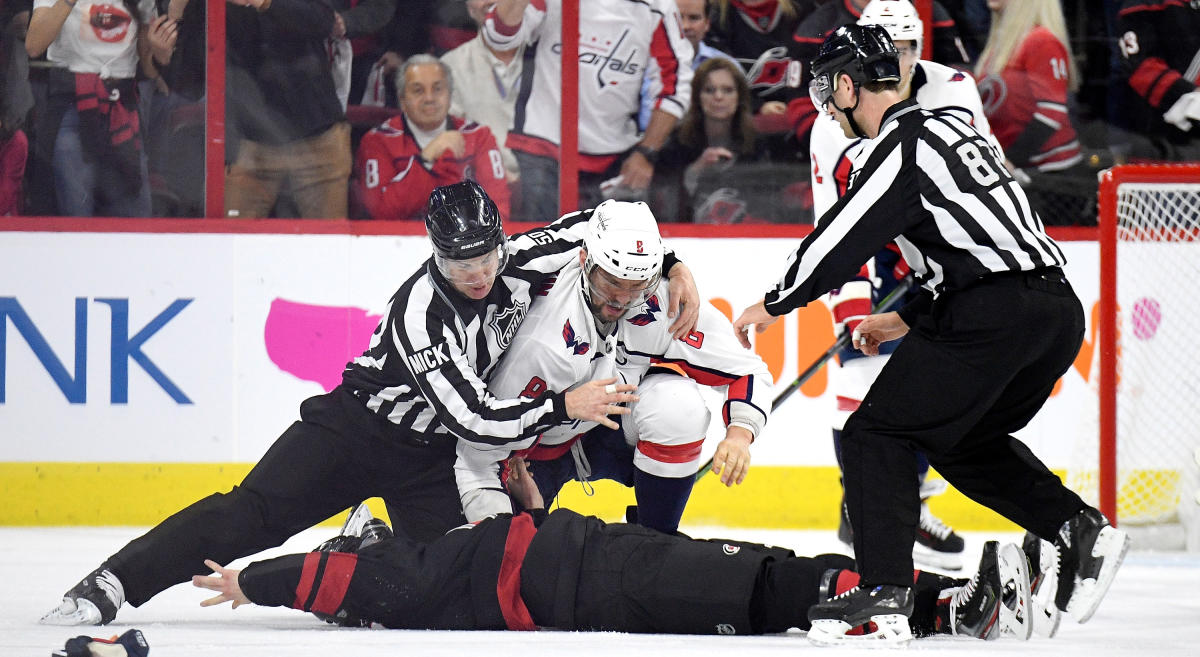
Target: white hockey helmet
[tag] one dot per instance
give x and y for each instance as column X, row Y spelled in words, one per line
column 898, row 17
column 622, row 239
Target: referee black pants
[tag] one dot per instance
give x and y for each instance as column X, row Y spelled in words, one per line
column 967, row 375
column 336, row 456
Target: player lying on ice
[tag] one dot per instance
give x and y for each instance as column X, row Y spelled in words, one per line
column 525, row 571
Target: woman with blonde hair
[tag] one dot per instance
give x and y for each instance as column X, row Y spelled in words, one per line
column 1025, row 73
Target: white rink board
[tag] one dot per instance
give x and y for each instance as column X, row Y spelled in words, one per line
column 214, row 349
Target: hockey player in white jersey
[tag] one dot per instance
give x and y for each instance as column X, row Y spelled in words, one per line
column 937, row 88
column 603, row 317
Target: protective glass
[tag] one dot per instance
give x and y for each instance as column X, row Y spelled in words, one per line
column 473, row 271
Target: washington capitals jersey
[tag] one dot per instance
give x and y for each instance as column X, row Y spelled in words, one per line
column 559, row 347
column 620, row 42
column 396, row 183
column 425, row 366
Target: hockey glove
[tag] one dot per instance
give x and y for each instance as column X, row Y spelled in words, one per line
column 129, row 644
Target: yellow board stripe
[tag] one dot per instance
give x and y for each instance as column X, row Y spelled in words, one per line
column 141, row 494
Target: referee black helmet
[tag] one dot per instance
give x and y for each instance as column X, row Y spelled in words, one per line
column 464, row 224
column 863, row 52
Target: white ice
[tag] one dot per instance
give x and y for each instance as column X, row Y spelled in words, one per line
column 1153, row 608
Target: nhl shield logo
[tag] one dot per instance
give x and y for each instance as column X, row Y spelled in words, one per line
column 506, row 322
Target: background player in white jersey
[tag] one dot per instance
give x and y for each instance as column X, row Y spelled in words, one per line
column 937, row 88
column 603, row 317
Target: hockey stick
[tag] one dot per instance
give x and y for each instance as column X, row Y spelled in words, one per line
column 885, row 304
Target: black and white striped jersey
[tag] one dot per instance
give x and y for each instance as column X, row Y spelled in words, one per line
column 936, row 187
column 428, row 358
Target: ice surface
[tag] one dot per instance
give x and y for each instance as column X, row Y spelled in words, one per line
column 1153, row 608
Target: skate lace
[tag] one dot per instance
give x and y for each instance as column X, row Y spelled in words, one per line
column 966, row 591
column 112, row 588
column 583, row 468
column 933, row 524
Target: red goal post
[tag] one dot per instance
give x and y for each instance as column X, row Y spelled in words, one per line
column 1148, row 472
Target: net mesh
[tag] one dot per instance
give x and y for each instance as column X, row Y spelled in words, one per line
column 1158, row 361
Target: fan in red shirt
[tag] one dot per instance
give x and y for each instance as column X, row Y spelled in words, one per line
column 403, row 160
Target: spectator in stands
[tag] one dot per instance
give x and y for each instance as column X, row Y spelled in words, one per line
column 99, row 165
column 14, row 151
column 691, row 182
column 1025, row 75
column 362, row 22
column 620, row 43
column 758, row 34
column 486, row 84
column 1159, row 40
column 403, row 160
column 282, row 105
column 947, row 49
column 695, row 21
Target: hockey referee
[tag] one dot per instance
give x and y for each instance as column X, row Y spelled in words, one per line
column 996, row 325
column 390, row 428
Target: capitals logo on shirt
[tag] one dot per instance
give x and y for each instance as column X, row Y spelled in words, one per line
column 579, row 346
column 645, row 317
column 109, row 22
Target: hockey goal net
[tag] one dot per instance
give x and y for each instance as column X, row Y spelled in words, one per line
column 1145, row 470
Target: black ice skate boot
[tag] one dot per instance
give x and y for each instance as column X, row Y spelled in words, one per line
column 936, row 545
column 876, row 615
column 360, row 530
column 1090, row 551
column 93, row 601
column 995, row 601
column 1043, row 584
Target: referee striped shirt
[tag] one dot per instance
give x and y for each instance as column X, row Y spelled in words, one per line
column 428, row 358
column 935, row 186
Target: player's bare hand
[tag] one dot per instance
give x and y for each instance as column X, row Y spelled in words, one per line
column 450, row 140
column 636, row 172
column 874, row 330
column 595, row 400
column 224, row 581
column 683, row 301
column 732, row 460
column 521, row 485
column 756, row 316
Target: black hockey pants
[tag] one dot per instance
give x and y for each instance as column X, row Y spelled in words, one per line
column 968, row 375
column 337, row 455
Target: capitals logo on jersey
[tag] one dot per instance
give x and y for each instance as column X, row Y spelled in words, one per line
column 607, row 59
column 645, row 317
column 506, row 322
column 579, row 346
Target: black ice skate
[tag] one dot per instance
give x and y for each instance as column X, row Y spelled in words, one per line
column 876, row 615
column 360, row 530
column 93, row 601
column 1090, row 551
column 995, row 601
column 936, row 545
column 1043, row 584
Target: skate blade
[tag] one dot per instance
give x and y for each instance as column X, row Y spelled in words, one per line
column 1015, row 617
column 1089, row 592
column 73, row 612
column 891, row 631
column 358, row 518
